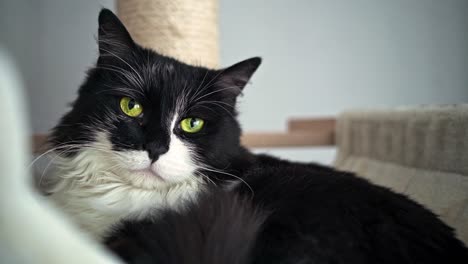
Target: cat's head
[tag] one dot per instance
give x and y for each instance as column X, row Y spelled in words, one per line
column 149, row 119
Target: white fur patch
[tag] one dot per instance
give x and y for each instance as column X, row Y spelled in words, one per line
column 177, row 164
column 99, row 187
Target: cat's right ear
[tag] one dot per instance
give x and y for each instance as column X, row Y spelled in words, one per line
column 113, row 37
column 235, row 77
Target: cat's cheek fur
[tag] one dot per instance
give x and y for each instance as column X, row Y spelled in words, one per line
column 177, row 164
column 135, row 160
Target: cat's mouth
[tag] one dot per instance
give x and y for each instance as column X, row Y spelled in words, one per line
column 151, row 179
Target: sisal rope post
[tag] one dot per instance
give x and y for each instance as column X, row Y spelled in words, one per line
column 183, row 29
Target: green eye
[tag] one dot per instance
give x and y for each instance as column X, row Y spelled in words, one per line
column 192, row 124
column 130, row 107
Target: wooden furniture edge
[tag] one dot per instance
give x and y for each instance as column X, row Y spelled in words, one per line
column 295, row 139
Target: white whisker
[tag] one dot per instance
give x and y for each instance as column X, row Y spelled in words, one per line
column 229, row 174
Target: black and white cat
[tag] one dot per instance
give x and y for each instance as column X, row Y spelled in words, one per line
column 149, row 144
column 122, row 150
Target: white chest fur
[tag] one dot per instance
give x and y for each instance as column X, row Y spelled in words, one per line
column 98, row 208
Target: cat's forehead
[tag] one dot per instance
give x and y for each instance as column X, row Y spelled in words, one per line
column 166, row 75
column 162, row 84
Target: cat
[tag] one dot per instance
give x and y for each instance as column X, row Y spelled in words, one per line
column 150, row 137
column 299, row 213
column 113, row 162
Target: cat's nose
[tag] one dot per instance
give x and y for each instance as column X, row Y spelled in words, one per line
column 155, row 150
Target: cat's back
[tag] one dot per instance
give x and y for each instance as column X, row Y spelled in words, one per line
column 320, row 215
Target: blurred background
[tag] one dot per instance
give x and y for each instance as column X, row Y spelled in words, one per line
column 320, row 56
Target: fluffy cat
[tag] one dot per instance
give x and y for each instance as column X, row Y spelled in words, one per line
column 111, row 165
column 149, row 138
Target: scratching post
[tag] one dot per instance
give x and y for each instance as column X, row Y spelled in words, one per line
column 184, row 29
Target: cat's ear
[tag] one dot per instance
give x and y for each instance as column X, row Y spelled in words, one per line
column 235, row 77
column 113, row 37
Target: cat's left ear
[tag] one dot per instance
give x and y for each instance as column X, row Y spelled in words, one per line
column 235, row 77
column 113, row 37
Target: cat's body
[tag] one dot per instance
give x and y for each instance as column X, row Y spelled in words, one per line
column 309, row 214
column 149, row 137
column 220, row 227
column 319, row 215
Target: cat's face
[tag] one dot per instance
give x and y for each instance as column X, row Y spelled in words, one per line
column 150, row 119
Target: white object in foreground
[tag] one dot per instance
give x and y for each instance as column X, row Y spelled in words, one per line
column 31, row 230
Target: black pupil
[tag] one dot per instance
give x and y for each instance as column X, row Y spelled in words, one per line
column 131, row 104
column 193, row 122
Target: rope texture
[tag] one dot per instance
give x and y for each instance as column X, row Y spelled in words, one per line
column 183, row 29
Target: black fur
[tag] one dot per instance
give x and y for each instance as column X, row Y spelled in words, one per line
column 314, row 215
column 308, row 213
column 320, row 215
column 199, row 235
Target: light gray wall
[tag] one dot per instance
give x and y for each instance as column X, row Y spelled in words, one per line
column 54, row 44
column 324, row 56
column 19, row 33
column 69, row 48
column 320, row 56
